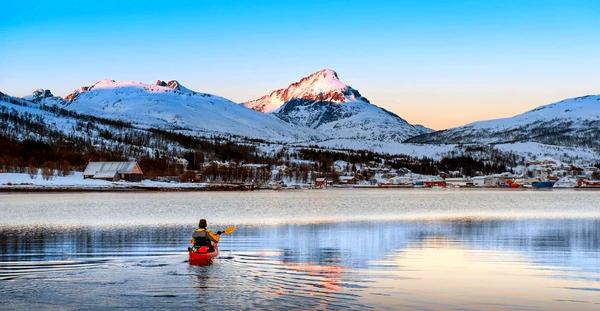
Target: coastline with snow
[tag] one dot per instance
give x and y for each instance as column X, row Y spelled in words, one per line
column 23, row 182
column 19, row 182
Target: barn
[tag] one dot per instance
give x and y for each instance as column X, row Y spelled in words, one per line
column 114, row 171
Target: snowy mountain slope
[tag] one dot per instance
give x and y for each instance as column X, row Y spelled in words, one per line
column 415, row 150
column 528, row 150
column 566, row 154
column 174, row 107
column 19, row 115
column 24, row 119
column 321, row 101
column 54, row 128
column 570, row 122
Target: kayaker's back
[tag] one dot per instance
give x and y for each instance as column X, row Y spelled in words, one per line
column 204, row 237
column 201, row 237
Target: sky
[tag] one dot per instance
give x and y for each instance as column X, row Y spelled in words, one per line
column 436, row 63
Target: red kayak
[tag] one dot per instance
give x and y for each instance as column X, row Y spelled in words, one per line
column 202, row 256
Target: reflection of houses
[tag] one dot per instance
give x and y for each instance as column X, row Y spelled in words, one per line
column 114, row 171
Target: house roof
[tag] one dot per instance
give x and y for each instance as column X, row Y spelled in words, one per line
column 109, row 169
column 105, row 174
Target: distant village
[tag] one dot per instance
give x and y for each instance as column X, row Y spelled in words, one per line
column 542, row 174
column 537, row 174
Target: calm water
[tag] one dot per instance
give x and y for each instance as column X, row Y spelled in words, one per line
column 339, row 249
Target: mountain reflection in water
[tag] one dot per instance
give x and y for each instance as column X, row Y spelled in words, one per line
column 436, row 264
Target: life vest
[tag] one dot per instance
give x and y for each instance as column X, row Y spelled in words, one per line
column 200, row 232
column 204, row 237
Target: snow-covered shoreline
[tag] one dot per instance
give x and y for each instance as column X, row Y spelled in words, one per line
column 76, row 182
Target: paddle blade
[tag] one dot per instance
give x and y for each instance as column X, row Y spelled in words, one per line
column 229, row 230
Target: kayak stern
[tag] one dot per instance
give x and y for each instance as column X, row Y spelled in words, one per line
column 202, row 256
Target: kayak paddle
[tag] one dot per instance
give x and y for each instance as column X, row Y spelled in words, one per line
column 229, row 230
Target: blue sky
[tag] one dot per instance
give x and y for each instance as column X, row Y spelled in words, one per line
column 438, row 63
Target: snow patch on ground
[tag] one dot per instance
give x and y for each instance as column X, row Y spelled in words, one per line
column 76, row 181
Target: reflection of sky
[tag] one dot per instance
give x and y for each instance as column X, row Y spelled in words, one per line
column 571, row 244
column 461, row 264
column 565, row 244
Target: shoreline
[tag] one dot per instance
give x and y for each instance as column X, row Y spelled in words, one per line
column 242, row 188
column 219, row 187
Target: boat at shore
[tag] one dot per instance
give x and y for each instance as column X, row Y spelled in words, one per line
column 542, row 184
column 565, row 183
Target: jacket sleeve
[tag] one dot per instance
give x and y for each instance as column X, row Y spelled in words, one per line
column 213, row 236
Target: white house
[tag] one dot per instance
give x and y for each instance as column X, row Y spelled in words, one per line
column 484, row 181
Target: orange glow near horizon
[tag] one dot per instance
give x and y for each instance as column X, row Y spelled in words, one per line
column 463, row 278
column 443, row 111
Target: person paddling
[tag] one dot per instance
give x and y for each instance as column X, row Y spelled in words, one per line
column 204, row 237
column 205, row 245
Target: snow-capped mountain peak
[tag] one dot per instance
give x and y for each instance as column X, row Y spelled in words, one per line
column 323, row 85
column 39, row 95
column 321, row 82
column 322, row 102
column 159, row 87
column 174, row 85
column 44, row 97
column 170, row 105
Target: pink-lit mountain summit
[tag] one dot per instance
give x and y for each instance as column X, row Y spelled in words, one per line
column 321, row 101
column 323, row 85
